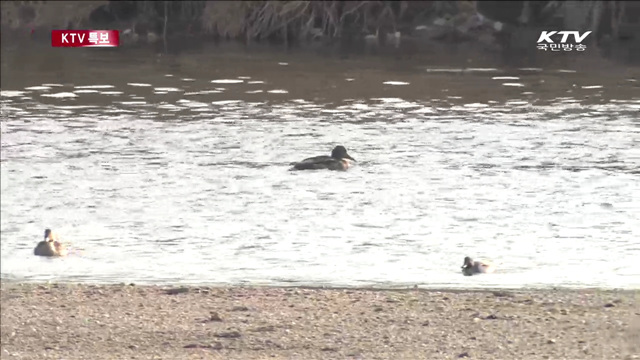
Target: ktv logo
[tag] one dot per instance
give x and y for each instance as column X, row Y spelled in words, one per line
column 546, row 42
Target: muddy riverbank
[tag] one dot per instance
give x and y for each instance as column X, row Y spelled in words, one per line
column 401, row 29
column 143, row 322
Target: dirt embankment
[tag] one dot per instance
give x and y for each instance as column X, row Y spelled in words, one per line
column 144, row 322
column 347, row 27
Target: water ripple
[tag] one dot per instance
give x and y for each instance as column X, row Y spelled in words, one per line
column 172, row 181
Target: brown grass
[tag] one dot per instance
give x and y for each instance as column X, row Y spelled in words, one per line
column 256, row 20
column 304, row 20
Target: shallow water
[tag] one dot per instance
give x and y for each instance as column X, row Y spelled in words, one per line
column 175, row 170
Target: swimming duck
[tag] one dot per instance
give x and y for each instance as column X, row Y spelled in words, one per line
column 50, row 246
column 339, row 160
column 471, row 267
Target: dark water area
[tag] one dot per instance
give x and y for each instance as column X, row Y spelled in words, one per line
column 173, row 168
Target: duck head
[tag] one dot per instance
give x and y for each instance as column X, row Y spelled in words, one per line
column 340, row 152
column 47, row 235
column 468, row 262
column 468, row 268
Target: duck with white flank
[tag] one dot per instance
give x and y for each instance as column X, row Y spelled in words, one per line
column 471, row 267
column 50, row 246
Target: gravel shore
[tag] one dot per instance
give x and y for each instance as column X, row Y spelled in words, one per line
column 73, row 321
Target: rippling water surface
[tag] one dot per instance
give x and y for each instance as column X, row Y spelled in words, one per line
column 176, row 171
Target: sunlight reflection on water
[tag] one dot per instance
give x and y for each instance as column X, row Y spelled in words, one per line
column 170, row 180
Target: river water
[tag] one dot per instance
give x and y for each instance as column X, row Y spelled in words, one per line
column 174, row 169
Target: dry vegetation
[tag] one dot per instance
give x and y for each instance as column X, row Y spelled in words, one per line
column 56, row 14
column 247, row 20
column 292, row 20
column 259, row 20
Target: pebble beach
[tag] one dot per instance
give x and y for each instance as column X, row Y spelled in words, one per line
column 81, row 321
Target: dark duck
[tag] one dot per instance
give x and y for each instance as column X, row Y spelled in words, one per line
column 339, row 160
column 50, row 246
